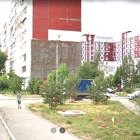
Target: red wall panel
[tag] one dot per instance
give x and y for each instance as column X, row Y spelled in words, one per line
column 54, row 14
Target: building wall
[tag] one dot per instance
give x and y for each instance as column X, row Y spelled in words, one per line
column 43, row 60
column 58, row 15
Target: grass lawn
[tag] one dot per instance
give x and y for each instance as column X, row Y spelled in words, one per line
column 126, row 125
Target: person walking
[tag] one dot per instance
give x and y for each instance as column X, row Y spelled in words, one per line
column 19, row 99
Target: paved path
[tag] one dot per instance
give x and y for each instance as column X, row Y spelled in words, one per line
column 124, row 101
column 26, row 125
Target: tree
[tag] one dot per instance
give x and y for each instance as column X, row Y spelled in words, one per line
column 15, row 82
column 3, row 59
column 109, row 80
column 62, row 74
column 31, row 84
column 85, row 71
column 71, row 85
column 117, row 77
column 4, row 82
column 53, row 93
column 38, row 85
column 97, row 89
column 126, row 69
column 138, row 71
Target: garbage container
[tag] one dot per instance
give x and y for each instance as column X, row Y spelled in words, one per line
column 118, row 90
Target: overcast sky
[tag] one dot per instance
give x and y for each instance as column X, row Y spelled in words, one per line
column 101, row 17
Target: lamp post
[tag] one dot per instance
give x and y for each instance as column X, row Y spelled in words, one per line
column 57, row 59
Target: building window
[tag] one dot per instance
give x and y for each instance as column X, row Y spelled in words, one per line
column 24, row 81
column 106, row 53
column 23, row 46
column 106, row 58
column 136, row 49
column 106, row 72
column 114, row 58
column 101, row 68
column 113, row 44
column 101, row 58
column 101, row 48
column 101, row 63
column 12, row 45
column 11, row 63
column 136, row 54
column 106, row 44
column 96, row 48
column 12, row 54
column 23, row 69
column 102, row 43
column 101, row 53
column 24, row 35
column 135, row 43
column 135, row 37
column 24, row 10
column 106, row 63
column 114, row 49
column 24, row 57
column 106, row 48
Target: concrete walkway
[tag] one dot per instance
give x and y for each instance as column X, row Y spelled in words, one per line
column 26, row 125
column 124, row 101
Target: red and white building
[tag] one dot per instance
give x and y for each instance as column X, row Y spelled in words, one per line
column 29, row 20
column 112, row 50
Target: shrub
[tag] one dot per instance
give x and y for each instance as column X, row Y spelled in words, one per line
column 68, row 122
column 38, row 85
column 105, row 100
column 128, row 90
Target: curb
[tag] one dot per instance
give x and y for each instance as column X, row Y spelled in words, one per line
column 7, row 129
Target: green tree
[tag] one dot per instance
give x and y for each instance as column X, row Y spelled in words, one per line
column 109, row 80
column 53, row 93
column 126, row 69
column 117, row 77
column 71, row 85
column 38, row 85
column 4, row 82
column 97, row 89
column 31, row 83
column 85, row 71
column 134, row 77
column 3, row 59
column 62, row 74
column 15, row 82
column 138, row 71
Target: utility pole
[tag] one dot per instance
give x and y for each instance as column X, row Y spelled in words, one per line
column 57, row 59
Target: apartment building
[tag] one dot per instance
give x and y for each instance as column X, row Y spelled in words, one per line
column 112, row 49
column 32, row 31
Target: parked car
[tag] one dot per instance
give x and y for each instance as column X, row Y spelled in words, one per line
column 134, row 94
column 109, row 90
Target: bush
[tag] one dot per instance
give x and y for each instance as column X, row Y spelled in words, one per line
column 121, row 89
column 105, row 100
column 68, row 122
column 128, row 90
column 38, row 85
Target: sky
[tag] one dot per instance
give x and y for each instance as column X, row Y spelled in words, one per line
column 101, row 17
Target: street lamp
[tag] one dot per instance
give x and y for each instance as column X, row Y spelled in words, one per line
column 57, row 59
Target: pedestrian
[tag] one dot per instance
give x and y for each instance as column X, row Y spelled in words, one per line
column 19, row 99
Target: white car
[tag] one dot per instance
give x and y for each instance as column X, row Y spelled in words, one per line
column 134, row 94
column 107, row 94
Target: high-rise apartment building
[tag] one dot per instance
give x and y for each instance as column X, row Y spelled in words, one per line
column 111, row 49
column 33, row 29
